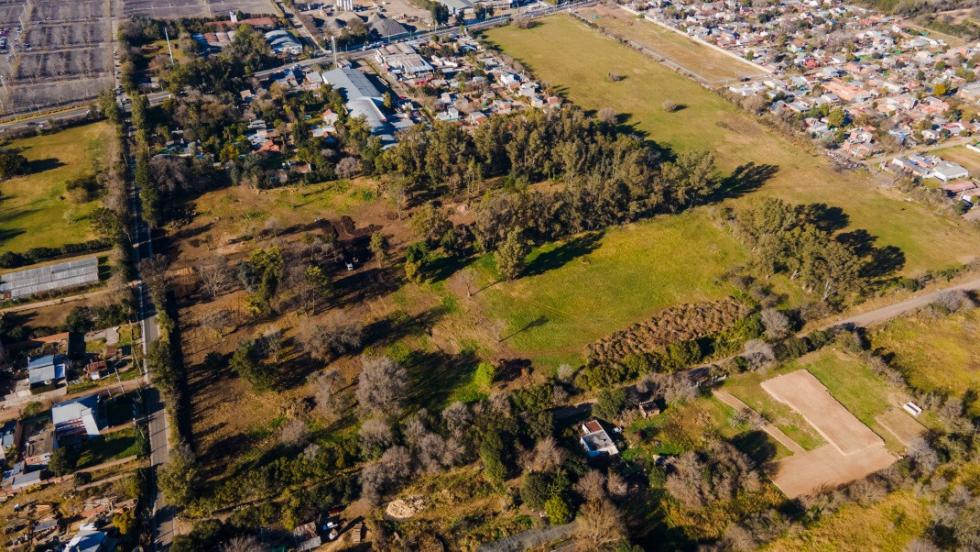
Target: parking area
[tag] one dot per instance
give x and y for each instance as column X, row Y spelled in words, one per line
column 53, row 52
column 173, row 9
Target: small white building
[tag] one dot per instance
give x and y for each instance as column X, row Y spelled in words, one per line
column 596, row 441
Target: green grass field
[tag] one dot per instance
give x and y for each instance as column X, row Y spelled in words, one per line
column 850, row 381
column 33, row 209
column 747, row 388
column 576, row 60
column 701, row 60
column 937, row 354
column 632, row 272
column 887, row 525
column 238, row 209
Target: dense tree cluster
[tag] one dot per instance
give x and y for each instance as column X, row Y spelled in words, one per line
column 801, row 241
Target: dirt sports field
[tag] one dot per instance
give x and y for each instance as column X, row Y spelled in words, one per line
column 853, row 450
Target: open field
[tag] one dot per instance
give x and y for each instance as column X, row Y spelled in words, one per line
column 851, row 382
column 935, row 353
column 580, row 290
column 697, row 58
column 577, row 60
column 34, row 211
column 887, row 525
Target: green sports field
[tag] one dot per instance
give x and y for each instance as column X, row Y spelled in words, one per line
column 34, row 211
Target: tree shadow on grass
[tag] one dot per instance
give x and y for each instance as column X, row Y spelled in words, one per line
column 400, row 324
column 41, row 165
column 882, row 261
column 435, row 375
column 756, row 445
column 564, row 253
column 745, row 178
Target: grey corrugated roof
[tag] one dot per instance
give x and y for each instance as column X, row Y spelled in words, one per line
column 25, row 283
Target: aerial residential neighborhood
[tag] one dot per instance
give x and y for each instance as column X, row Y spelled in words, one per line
column 488, row 275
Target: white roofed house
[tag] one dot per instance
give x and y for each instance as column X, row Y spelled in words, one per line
column 596, row 441
column 78, row 417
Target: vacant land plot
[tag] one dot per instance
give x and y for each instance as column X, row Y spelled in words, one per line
column 747, row 388
column 577, row 61
column 34, row 211
column 176, row 9
column 697, row 58
column 579, row 290
column 853, row 452
column 805, row 394
column 901, row 425
column 935, row 353
column 887, row 525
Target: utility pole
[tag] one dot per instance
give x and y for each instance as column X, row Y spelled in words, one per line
column 170, row 50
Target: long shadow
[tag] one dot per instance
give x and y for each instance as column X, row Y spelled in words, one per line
column 827, row 218
column 882, row 261
column 9, row 233
column 756, row 445
column 367, row 284
column 399, row 325
column 536, row 323
column 434, row 376
column 564, row 253
column 41, row 165
column 745, row 178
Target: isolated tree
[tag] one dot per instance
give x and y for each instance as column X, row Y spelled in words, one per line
column 379, row 248
column 217, row 320
column 510, row 255
column 382, row 386
column 294, row 433
column 776, row 323
column 215, row 274
column 328, row 400
column 458, row 419
column 348, row 167
column 544, row 457
column 337, row 335
column 62, row 461
column 12, row 164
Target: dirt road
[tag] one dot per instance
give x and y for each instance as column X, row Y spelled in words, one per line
column 893, row 310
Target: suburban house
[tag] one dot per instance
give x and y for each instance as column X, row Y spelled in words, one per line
column 77, row 417
column 456, row 6
column 282, row 43
column 362, row 99
column 46, row 370
column 17, row 477
column 947, row 171
column 596, row 441
column 10, row 436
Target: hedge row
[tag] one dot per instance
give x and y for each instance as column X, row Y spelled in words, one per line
column 11, row 259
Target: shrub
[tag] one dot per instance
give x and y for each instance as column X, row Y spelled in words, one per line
column 558, row 510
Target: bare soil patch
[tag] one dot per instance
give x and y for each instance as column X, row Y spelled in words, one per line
column 904, row 427
column 803, row 474
column 805, row 394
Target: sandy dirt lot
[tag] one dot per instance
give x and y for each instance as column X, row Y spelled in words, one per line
column 805, row 394
column 853, row 450
column 904, row 427
column 175, row 9
column 803, row 474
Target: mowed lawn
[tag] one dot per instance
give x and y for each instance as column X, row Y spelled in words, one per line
column 887, row 525
column 575, row 296
column 577, row 60
column 34, row 211
column 701, row 60
column 936, row 353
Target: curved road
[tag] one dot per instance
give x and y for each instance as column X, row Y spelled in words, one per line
column 886, row 313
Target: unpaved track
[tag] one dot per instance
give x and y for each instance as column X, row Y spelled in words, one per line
column 773, row 431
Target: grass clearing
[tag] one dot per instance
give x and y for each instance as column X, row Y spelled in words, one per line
column 701, row 60
column 236, row 210
column 935, row 353
column 889, row 524
column 576, row 59
column 960, row 154
column 850, row 381
column 581, row 289
column 34, row 211
column 108, row 447
column 746, row 387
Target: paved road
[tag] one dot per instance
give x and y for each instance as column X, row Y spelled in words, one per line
column 886, row 313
